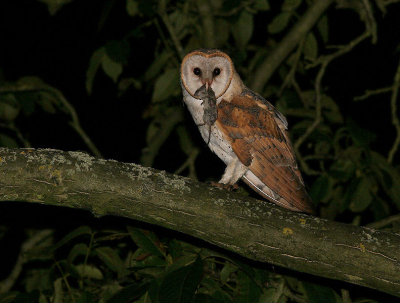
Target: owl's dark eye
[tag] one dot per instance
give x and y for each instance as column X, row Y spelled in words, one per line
column 216, row 71
column 197, row 71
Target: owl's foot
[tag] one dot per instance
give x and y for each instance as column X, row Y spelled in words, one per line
column 229, row 187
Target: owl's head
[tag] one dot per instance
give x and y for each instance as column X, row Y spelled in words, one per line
column 211, row 67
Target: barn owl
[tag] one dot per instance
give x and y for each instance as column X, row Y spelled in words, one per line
column 243, row 129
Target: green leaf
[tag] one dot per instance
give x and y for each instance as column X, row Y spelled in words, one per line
column 247, row 269
column 79, row 249
column 228, row 6
column 28, row 103
column 387, row 176
column 323, row 28
column 151, row 261
column 86, row 297
column 144, row 299
column 110, row 258
column 70, row 269
column 320, row 188
column 279, row 23
column 222, row 296
column 166, row 85
column 146, row 240
column 112, row 68
column 7, row 141
column 310, row 49
column 47, row 102
column 132, row 7
column 203, row 298
column 224, row 28
column 179, row 21
column 180, row 285
column 242, row 29
column 175, row 248
column 8, row 297
column 215, row 289
column 30, row 297
column 147, row 7
column 268, row 296
column 58, row 293
column 186, row 259
column 361, row 136
column 42, row 299
column 289, row 5
column 195, row 43
column 331, row 109
column 118, row 51
column 261, row 5
column 82, row 230
column 318, row 293
column 361, row 198
column 227, row 270
column 89, row 271
column 94, row 64
column 153, row 290
column 246, row 291
column 342, row 169
column 158, row 64
column 9, row 107
column 40, row 279
column 129, row 293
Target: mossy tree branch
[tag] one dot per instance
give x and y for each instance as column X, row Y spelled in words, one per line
column 252, row 228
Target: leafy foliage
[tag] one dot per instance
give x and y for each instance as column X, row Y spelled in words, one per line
column 352, row 176
column 117, row 266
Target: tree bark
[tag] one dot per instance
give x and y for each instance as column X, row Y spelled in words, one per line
column 255, row 229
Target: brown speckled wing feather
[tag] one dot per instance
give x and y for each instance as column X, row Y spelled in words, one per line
column 263, row 146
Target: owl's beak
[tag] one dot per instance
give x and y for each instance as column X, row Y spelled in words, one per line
column 207, row 83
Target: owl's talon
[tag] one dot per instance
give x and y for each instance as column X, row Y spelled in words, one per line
column 229, row 187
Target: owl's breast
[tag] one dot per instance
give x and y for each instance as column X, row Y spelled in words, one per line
column 218, row 144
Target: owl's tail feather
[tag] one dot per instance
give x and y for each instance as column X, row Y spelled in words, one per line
column 304, row 204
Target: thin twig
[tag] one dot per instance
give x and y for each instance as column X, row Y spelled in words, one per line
column 288, row 43
column 65, row 280
column 9, row 282
column 207, row 17
column 314, row 125
column 189, row 163
column 346, row 296
column 395, row 119
column 369, row 93
column 38, row 85
column 324, row 62
column 384, row 222
column 162, row 10
column 11, row 126
column 291, row 75
column 342, row 50
column 167, row 125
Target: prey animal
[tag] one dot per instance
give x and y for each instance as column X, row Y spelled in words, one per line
column 209, row 103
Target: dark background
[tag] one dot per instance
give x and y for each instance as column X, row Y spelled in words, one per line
column 58, row 49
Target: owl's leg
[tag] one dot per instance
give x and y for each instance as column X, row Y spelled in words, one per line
column 233, row 172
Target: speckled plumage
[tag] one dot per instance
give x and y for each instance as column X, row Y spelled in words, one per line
column 249, row 134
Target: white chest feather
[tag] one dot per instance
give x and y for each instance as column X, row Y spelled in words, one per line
column 218, row 144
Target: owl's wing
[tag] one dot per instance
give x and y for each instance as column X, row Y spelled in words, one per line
column 258, row 137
